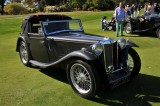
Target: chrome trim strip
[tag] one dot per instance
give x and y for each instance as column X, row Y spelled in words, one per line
column 117, row 56
column 105, row 58
column 72, row 40
column 116, row 70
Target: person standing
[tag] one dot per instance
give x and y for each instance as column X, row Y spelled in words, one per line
column 149, row 7
column 154, row 9
column 132, row 11
column 138, row 10
column 128, row 11
column 145, row 8
column 120, row 17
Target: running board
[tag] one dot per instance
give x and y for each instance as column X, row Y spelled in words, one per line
column 145, row 30
column 40, row 64
column 139, row 31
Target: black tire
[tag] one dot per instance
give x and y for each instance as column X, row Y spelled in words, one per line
column 24, row 54
column 83, row 78
column 134, row 57
column 158, row 32
column 128, row 28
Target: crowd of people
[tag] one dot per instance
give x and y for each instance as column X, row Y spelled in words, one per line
column 124, row 11
column 134, row 10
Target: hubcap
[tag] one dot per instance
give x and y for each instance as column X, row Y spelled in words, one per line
column 80, row 78
column 23, row 54
column 158, row 34
column 128, row 29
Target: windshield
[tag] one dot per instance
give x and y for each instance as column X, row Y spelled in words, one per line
column 53, row 27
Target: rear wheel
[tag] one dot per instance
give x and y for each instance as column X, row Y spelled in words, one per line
column 83, row 78
column 128, row 28
column 135, row 62
column 158, row 33
column 24, row 53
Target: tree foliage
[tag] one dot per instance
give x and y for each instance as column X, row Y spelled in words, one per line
column 96, row 4
column 77, row 4
column 14, row 9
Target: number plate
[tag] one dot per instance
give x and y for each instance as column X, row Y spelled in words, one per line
column 120, row 81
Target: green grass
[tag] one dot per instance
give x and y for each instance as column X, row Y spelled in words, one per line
column 23, row 86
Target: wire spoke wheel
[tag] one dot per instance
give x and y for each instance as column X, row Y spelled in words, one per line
column 128, row 28
column 134, row 62
column 83, row 78
column 24, row 53
column 80, row 78
column 158, row 33
column 131, row 63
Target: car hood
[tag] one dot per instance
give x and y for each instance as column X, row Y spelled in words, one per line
column 77, row 37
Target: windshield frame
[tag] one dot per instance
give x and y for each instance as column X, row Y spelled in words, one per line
column 61, row 31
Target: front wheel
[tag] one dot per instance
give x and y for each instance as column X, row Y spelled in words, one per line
column 158, row 33
column 128, row 28
column 83, row 78
column 134, row 61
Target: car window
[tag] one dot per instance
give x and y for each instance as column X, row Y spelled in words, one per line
column 53, row 27
column 35, row 28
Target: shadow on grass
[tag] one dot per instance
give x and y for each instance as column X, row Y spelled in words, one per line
column 145, row 34
column 139, row 92
column 55, row 73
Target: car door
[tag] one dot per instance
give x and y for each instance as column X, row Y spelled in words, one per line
column 38, row 47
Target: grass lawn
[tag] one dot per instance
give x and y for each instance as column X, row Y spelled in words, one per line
column 23, row 86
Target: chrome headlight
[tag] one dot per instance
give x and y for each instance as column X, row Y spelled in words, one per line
column 122, row 43
column 97, row 48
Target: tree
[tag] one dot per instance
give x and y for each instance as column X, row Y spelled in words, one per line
column 2, row 6
column 40, row 4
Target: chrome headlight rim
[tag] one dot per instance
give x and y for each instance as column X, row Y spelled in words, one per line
column 122, row 43
column 97, row 48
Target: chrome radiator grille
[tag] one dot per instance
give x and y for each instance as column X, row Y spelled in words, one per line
column 110, row 56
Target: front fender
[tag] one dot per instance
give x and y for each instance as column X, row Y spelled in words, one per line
column 132, row 44
column 83, row 54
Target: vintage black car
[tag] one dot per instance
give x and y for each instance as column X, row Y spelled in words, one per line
column 89, row 60
column 142, row 24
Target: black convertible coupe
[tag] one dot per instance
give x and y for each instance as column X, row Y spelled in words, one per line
column 89, row 60
column 142, row 24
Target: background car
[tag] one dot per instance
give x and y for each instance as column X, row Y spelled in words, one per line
column 89, row 60
column 144, row 24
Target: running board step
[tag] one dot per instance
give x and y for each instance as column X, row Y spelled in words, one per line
column 40, row 64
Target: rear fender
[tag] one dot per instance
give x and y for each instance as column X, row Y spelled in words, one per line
column 21, row 38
